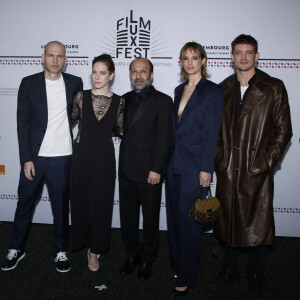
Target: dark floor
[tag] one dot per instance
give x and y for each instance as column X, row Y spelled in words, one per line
column 36, row 276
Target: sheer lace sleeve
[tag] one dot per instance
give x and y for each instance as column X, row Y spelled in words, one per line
column 119, row 124
column 77, row 112
column 77, row 106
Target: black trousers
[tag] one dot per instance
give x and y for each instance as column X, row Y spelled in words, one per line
column 257, row 257
column 56, row 172
column 134, row 194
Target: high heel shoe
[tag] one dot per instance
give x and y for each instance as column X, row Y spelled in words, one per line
column 176, row 293
column 93, row 263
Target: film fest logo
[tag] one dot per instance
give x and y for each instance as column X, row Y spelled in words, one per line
column 133, row 36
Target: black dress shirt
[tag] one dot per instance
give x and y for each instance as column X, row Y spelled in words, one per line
column 135, row 101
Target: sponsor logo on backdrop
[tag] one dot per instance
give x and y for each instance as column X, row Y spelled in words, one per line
column 8, row 92
column 223, row 50
column 287, row 210
column 278, row 210
column 47, row 199
column 15, row 197
column 262, row 64
column 21, row 61
column 27, row 61
column 72, row 51
column 134, row 36
column 8, row 197
column 2, row 169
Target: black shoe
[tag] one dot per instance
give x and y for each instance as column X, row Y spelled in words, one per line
column 145, row 270
column 258, row 285
column 129, row 266
column 176, row 293
column 62, row 262
column 225, row 278
column 12, row 259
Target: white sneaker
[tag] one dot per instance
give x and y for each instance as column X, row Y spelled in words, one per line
column 62, row 262
column 12, row 259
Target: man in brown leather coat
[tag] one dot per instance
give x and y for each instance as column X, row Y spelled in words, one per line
column 256, row 128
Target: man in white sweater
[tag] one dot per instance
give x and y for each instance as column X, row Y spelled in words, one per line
column 45, row 145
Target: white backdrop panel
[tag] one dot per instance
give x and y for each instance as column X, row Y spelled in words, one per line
column 90, row 28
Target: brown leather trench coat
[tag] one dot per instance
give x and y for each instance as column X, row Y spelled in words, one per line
column 247, row 151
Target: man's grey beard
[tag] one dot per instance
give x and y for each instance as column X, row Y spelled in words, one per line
column 138, row 86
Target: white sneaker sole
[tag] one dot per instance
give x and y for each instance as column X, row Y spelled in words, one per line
column 15, row 265
column 63, row 271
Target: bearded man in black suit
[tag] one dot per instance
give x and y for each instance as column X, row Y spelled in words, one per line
column 143, row 155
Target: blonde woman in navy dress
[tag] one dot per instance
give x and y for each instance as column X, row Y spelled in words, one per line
column 196, row 124
column 93, row 174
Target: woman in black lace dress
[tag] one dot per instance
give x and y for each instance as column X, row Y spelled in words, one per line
column 98, row 111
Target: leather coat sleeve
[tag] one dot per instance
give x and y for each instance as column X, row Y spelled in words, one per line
column 282, row 127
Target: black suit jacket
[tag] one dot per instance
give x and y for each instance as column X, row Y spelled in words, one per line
column 32, row 112
column 147, row 140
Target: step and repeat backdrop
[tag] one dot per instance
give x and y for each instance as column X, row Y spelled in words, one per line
column 156, row 30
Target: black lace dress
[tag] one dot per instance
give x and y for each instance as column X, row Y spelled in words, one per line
column 94, row 169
